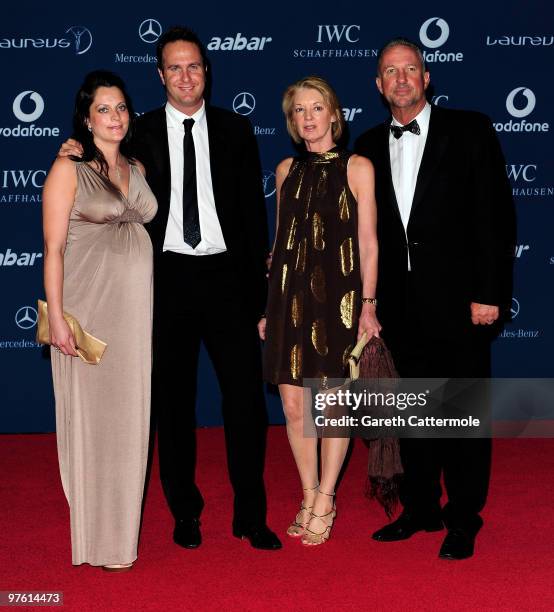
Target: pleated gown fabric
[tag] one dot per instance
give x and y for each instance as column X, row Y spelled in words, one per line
column 103, row 411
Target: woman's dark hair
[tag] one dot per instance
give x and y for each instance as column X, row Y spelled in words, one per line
column 83, row 101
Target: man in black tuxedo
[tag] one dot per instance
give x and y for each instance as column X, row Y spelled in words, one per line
column 446, row 235
column 210, row 243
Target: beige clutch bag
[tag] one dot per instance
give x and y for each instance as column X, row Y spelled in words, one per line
column 89, row 348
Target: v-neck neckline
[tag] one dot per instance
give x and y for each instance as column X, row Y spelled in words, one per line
column 107, row 180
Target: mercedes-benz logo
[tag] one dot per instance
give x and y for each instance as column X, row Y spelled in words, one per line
column 269, row 184
column 514, row 310
column 83, row 38
column 26, row 317
column 244, row 103
column 150, row 30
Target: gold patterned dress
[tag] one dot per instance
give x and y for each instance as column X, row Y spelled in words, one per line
column 314, row 283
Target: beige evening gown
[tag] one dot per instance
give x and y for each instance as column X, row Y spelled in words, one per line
column 103, row 411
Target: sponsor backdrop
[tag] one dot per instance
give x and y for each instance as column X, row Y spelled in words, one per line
column 492, row 57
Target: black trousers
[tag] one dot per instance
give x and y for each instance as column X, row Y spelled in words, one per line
column 198, row 299
column 420, row 350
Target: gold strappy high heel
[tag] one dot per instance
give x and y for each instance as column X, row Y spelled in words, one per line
column 298, row 526
column 314, row 538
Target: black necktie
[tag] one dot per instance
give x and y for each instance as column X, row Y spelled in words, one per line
column 398, row 130
column 191, row 221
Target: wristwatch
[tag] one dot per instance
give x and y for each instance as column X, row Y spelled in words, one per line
column 372, row 301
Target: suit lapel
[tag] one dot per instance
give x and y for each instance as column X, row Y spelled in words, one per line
column 160, row 155
column 385, row 155
column 218, row 161
column 435, row 146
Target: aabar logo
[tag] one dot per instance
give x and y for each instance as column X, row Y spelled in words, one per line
column 11, row 258
column 238, row 43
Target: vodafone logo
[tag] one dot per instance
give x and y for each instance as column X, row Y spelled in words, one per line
column 433, row 43
column 27, row 117
column 530, row 101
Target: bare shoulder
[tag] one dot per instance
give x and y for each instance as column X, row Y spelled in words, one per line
column 359, row 164
column 140, row 166
column 63, row 169
column 283, row 168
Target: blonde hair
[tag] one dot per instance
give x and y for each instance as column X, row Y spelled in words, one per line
column 329, row 97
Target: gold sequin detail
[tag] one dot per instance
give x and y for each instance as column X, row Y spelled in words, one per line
column 344, row 211
column 291, row 234
column 319, row 337
column 347, row 309
column 317, row 283
column 324, row 381
column 300, row 179
column 296, row 362
column 297, row 308
column 301, row 257
column 322, row 183
column 308, row 201
column 346, row 354
column 346, row 257
column 284, row 278
column 317, row 232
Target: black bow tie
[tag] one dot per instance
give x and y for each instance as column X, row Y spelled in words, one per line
column 398, row 130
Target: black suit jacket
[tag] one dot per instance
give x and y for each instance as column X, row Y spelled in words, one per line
column 237, row 187
column 461, row 230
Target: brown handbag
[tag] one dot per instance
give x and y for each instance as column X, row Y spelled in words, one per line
column 371, row 359
column 89, row 348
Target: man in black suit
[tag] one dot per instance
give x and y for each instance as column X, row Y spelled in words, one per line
column 446, row 235
column 210, row 243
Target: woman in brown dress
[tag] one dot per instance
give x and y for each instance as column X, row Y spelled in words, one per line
column 98, row 267
column 322, row 284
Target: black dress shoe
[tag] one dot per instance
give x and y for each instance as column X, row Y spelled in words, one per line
column 458, row 544
column 405, row 526
column 259, row 537
column 187, row 533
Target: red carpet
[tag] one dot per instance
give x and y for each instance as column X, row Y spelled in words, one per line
column 513, row 568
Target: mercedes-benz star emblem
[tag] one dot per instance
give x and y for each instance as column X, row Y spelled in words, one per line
column 269, row 184
column 26, row 317
column 514, row 310
column 244, row 103
column 150, row 30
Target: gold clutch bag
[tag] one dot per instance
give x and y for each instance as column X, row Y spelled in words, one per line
column 89, row 348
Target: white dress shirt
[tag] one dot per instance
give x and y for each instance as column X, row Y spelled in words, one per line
column 212, row 241
column 405, row 158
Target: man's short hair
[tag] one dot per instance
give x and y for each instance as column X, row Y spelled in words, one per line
column 179, row 33
column 400, row 42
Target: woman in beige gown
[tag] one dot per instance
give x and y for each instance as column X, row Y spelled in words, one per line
column 98, row 267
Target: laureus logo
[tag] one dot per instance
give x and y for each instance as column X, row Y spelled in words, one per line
column 269, row 184
column 83, row 38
